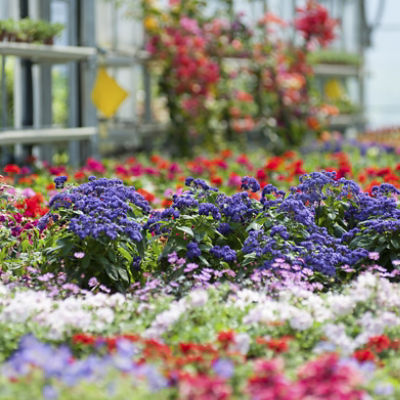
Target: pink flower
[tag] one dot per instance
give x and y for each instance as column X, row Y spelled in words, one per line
column 202, row 387
column 373, row 255
column 190, row 25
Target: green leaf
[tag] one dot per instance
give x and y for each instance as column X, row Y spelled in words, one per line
column 186, row 229
column 125, row 253
column 112, row 273
column 204, row 261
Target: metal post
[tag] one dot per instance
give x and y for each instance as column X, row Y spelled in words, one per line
column 148, row 116
column 3, row 154
column 363, row 32
column 73, row 89
column 43, row 99
column 3, row 93
column 26, row 92
column 88, row 69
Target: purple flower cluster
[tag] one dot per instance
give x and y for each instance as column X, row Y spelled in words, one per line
column 250, row 183
column 60, row 181
column 225, row 253
column 57, row 363
column 208, row 208
column 193, row 250
column 101, row 207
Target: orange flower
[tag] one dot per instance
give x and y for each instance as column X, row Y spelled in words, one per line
column 313, row 123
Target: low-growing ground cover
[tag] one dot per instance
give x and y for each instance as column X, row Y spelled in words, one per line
column 271, row 283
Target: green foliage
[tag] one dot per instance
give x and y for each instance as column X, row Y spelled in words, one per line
column 29, row 31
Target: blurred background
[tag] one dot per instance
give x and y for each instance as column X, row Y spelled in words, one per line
column 98, row 77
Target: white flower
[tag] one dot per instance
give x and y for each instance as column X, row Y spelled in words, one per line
column 104, row 317
column 336, row 334
column 341, row 304
column 165, row 319
column 301, row 320
column 242, row 343
column 198, row 298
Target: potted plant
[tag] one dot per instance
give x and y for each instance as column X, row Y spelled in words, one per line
column 52, row 31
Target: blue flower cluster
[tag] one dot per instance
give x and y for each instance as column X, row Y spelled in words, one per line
column 225, row 253
column 60, row 181
column 250, row 183
column 101, row 207
column 238, row 207
column 313, row 226
column 193, row 250
column 208, row 208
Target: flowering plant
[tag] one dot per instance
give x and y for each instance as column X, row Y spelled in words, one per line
column 96, row 232
column 209, row 97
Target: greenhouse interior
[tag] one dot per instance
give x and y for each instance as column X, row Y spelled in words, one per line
column 199, row 200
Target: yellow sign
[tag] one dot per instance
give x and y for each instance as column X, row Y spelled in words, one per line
column 107, row 95
column 334, row 89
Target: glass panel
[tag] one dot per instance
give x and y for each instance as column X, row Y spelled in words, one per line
column 59, row 14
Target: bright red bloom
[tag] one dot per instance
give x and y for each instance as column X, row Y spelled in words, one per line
column 315, row 23
column 79, row 175
column 226, row 337
column 363, row 355
column 12, row 169
column 82, row 338
column 32, row 206
column 274, row 163
column 216, row 180
column 379, row 343
column 147, row 195
column 278, row 345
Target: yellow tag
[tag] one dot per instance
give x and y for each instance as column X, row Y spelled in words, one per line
column 107, row 95
column 334, row 89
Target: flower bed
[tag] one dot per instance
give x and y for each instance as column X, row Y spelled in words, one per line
column 281, row 287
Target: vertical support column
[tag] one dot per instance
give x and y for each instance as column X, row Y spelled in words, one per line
column 73, row 84
column 26, row 90
column 342, row 27
column 363, row 37
column 43, row 113
column 3, row 93
column 3, row 153
column 148, row 116
column 265, row 6
column 87, row 28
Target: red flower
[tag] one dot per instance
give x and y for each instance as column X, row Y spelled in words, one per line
column 274, row 163
column 12, row 169
column 82, row 338
column 216, row 180
column 379, row 343
column 79, row 175
column 363, row 355
column 226, row 338
column 278, row 345
column 314, row 22
column 147, row 195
